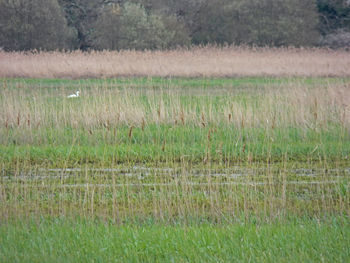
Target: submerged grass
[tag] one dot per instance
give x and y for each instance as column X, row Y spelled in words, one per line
column 177, row 194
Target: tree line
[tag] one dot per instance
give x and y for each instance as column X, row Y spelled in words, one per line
column 166, row 24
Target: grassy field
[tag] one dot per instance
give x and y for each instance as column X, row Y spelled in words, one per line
column 299, row 240
column 175, row 169
column 169, row 120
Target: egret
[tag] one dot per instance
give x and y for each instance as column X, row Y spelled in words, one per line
column 76, row 95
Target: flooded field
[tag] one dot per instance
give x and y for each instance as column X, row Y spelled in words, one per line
column 148, row 176
column 213, row 168
column 175, row 149
column 170, row 193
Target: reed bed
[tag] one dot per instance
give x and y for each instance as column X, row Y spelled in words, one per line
column 174, row 169
column 170, row 123
column 165, row 153
column 287, row 105
column 193, row 62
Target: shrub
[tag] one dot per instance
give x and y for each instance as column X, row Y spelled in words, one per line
column 34, row 24
column 131, row 27
column 259, row 22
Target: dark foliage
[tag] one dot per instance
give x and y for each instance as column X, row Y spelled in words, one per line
column 164, row 24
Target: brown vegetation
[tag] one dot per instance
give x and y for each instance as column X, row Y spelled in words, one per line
column 195, row 62
column 282, row 106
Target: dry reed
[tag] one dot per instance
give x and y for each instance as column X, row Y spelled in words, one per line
column 295, row 106
column 194, row 62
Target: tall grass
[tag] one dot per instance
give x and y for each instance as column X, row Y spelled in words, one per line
column 194, row 62
column 169, row 123
column 27, row 108
column 41, row 125
column 222, row 154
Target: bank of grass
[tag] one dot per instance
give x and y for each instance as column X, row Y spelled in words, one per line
column 167, row 144
column 173, row 82
column 66, row 240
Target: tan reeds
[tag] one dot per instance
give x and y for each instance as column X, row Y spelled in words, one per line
column 194, row 62
column 294, row 106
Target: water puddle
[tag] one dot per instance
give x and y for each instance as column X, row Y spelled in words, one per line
column 141, row 176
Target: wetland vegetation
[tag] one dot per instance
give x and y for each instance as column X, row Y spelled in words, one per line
column 182, row 169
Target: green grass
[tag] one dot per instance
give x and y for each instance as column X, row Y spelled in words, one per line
column 65, row 240
column 219, row 120
column 172, row 82
column 168, row 144
column 198, row 170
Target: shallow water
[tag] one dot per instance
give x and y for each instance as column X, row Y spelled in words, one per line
column 169, row 193
column 166, row 176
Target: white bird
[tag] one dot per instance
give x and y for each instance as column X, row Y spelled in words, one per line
column 76, row 95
